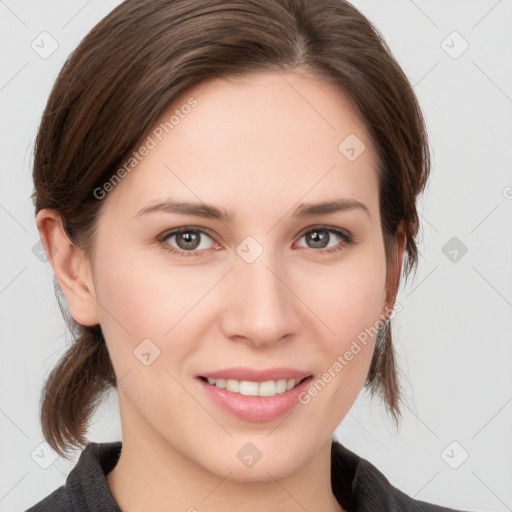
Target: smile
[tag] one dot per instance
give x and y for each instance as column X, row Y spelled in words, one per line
column 248, row 388
column 255, row 401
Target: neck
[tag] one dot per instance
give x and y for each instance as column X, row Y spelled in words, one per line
column 153, row 475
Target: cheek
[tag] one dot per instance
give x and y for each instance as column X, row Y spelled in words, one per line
column 144, row 295
column 349, row 304
column 349, row 297
column 139, row 305
column 133, row 304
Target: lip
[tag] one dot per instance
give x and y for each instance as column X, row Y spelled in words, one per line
column 255, row 408
column 253, row 375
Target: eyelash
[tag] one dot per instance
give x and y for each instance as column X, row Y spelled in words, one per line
column 346, row 237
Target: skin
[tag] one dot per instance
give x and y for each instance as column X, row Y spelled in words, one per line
column 257, row 146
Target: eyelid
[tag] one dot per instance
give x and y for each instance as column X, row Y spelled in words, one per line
column 346, row 236
column 209, row 232
column 326, row 228
column 176, row 231
column 181, row 229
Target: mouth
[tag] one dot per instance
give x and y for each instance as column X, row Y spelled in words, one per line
column 255, row 401
column 252, row 388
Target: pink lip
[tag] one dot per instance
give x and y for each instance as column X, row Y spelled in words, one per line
column 252, row 375
column 255, row 408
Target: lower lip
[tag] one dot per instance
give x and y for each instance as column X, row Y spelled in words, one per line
column 256, row 408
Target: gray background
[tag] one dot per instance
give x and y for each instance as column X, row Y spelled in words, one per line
column 453, row 338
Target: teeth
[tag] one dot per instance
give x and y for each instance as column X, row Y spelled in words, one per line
column 233, row 385
column 247, row 388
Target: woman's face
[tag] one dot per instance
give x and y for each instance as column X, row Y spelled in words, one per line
column 264, row 288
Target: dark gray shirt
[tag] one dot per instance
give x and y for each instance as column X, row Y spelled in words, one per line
column 357, row 484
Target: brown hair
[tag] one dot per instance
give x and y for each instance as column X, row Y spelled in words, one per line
column 127, row 71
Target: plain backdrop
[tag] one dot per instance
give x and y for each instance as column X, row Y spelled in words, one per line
column 454, row 446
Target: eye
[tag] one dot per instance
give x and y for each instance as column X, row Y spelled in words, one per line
column 189, row 240
column 320, row 236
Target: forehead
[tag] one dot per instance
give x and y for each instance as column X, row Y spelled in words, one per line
column 264, row 141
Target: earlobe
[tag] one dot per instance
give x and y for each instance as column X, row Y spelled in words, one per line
column 70, row 266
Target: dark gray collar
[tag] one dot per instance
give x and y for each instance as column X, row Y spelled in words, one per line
column 356, row 483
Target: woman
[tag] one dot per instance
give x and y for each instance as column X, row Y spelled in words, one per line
column 226, row 192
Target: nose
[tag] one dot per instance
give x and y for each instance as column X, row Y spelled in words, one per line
column 261, row 307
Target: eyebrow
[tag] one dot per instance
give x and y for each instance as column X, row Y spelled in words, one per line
column 210, row 211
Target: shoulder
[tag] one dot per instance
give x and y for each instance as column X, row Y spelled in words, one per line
column 360, row 487
column 57, row 501
column 86, row 488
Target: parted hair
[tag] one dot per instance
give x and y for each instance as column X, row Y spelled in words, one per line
column 129, row 68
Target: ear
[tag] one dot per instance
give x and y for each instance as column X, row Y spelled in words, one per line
column 70, row 266
column 395, row 268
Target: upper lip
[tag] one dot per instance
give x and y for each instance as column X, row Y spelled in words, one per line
column 253, row 375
